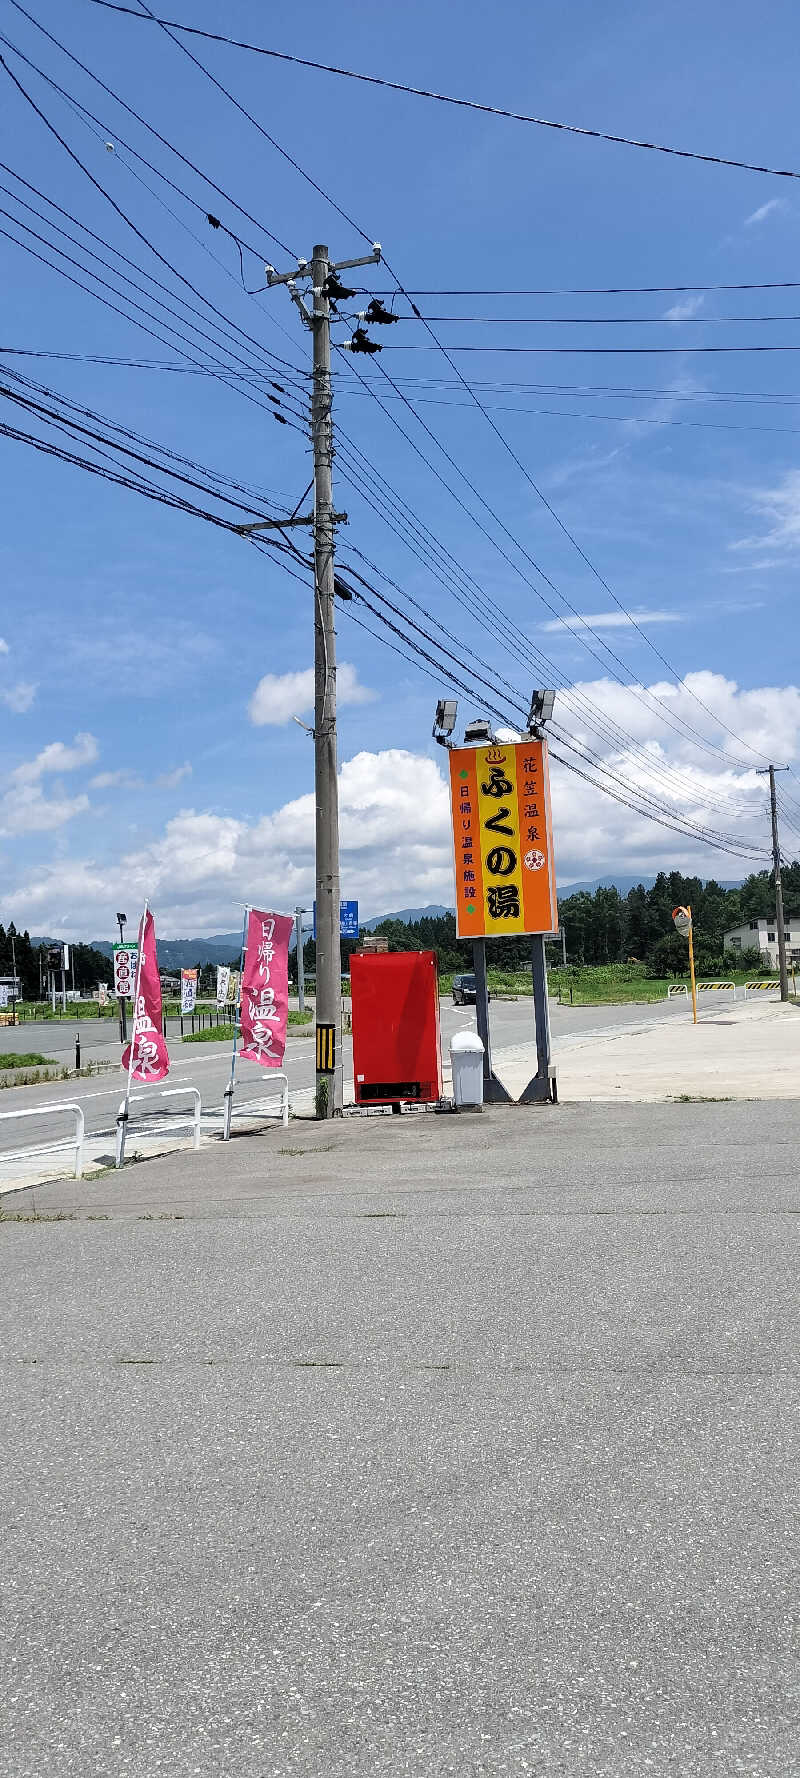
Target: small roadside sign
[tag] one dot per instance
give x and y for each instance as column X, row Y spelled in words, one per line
column 126, row 958
column 348, row 920
column 682, row 920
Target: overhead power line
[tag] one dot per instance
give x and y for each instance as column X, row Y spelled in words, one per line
column 601, row 289
column 592, row 320
column 710, row 838
column 594, row 351
column 165, row 143
column 308, row 177
column 421, row 92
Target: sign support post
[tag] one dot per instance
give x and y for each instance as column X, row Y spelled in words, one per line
column 494, row 1092
column 505, row 875
column 538, row 1091
column 682, row 920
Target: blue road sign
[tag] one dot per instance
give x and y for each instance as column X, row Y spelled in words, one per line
column 348, row 919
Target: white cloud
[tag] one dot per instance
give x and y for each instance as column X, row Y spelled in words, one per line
column 684, row 310
column 781, row 509
column 3, row 646
column 394, row 805
column 611, row 620
column 280, row 696
column 116, row 781
column 57, row 758
column 19, row 697
column 25, row 809
column 765, row 210
column 127, row 780
column 171, row 780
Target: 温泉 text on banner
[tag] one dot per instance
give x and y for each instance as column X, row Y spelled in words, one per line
column 264, row 1004
column 150, row 1053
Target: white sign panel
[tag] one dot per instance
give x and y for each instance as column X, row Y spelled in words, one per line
column 102, row 994
column 125, row 965
column 223, row 984
column 4, row 996
column 188, row 990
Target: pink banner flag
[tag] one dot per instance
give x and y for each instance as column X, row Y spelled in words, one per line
column 150, row 1053
column 265, row 989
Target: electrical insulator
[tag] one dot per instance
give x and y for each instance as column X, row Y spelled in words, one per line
column 378, row 315
column 361, row 342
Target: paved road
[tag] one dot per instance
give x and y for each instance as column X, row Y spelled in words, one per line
column 417, row 1448
column 207, row 1066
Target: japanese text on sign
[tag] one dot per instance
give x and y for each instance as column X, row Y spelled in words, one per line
column 502, row 832
column 188, row 990
column 126, row 958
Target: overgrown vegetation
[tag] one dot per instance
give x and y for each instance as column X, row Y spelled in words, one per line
column 605, row 928
column 28, row 1059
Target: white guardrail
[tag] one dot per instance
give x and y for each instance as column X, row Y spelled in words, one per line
column 123, row 1117
column 771, row 985
column 709, row 987
column 227, row 1102
column 677, row 988
column 75, row 1142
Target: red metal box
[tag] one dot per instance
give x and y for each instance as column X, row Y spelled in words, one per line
column 396, row 1048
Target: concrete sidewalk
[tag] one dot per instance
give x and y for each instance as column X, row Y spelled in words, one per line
column 749, row 1051
column 410, row 1448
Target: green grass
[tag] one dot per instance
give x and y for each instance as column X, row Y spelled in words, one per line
column 224, row 1033
column 42, row 1011
column 604, row 984
column 26, row 1059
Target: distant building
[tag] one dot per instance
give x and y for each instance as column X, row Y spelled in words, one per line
column 761, row 935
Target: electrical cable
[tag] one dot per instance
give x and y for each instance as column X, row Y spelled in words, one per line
column 91, row 254
column 246, row 114
column 219, row 371
column 593, row 351
column 144, row 124
column 448, row 99
column 147, row 11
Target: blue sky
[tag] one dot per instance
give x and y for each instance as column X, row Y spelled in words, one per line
column 150, row 633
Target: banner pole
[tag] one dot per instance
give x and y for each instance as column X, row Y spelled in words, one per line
column 122, row 1119
column 231, row 1087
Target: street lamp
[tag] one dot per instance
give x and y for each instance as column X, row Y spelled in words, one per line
column 541, row 711
column 478, row 733
column 445, row 721
column 122, row 922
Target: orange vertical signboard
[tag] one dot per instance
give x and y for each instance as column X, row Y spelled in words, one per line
column 502, row 834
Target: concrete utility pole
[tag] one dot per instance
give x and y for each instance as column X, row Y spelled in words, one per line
column 329, row 964
column 329, row 957
column 776, row 866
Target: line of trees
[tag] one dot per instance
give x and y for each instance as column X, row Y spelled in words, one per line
column 87, row 966
column 608, row 927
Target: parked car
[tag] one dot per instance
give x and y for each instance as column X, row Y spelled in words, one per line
column 464, row 990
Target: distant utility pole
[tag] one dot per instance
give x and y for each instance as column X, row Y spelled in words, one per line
column 324, row 287
column 301, row 978
column 776, row 866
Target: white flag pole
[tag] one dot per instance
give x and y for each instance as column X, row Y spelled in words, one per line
column 122, row 1118
column 231, row 1087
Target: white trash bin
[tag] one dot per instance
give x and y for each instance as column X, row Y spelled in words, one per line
column 466, row 1060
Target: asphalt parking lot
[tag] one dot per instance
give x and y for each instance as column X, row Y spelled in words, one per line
column 423, row 1446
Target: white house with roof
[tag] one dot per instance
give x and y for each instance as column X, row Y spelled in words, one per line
column 761, row 935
